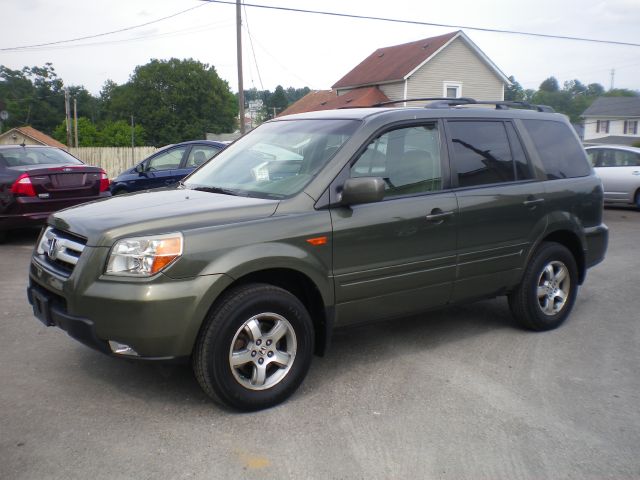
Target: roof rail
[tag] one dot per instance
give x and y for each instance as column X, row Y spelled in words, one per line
column 447, row 102
column 505, row 104
column 427, row 99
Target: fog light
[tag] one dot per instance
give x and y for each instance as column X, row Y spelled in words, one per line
column 122, row 349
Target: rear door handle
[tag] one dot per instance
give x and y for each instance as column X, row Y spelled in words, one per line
column 635, row 172
column 536, row 201
column 437, row 215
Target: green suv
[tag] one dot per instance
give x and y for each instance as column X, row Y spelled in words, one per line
column 322, row 220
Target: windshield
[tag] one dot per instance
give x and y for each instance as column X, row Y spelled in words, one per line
column 20, row 156
column 276, row 160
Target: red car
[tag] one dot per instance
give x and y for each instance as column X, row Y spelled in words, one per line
column 38, row 180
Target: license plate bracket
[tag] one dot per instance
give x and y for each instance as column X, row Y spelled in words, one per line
column 41, row 308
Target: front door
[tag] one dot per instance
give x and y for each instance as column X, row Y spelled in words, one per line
column 396, row 256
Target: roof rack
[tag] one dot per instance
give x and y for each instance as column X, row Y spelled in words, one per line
column 447, row 102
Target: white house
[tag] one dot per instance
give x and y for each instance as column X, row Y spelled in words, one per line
column 612, row 120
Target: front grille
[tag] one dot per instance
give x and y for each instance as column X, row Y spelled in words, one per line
column 60, row 249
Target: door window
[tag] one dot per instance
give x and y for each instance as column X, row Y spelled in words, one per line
column 166, row 160
column 200, row 154
column 408, row 159
column 481, row 153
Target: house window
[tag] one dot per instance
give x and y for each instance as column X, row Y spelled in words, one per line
column 452, row 89
column 630, row 127
column 602, row 126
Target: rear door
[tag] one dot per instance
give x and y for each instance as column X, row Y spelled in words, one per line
column 397, row 256
column 500, row 203
column 619, row 170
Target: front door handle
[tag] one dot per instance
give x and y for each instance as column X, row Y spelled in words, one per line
column 438, row 216
column 533, row 202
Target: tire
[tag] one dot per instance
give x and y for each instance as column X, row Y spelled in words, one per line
column 637, row 200
column 3, row 236
column 548, row 290
column 255, row 348
column 119, row 191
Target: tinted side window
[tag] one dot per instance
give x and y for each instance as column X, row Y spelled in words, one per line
column 561, row 155
column 522, row 167
column 407, row 158
column 594, row 158
column 481, row 153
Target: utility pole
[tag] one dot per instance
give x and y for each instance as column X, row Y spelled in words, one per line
column 133, row 150
column 239, row 52
column 75, row 120
column 67, row 112
column 613, row 76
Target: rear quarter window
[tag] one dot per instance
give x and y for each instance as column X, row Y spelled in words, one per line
column 561, row 154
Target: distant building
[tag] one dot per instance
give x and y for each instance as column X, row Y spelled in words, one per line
column 612, row 120
column 28, row 136
column 449, row 65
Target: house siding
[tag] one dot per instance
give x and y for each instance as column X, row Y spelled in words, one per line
column 456, row 63
column 395, row 91
column 616, row 127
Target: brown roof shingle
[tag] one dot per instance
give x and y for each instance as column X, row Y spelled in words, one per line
column 309, row 102
column 329, row 100
column 393, row 63
column 38, row 136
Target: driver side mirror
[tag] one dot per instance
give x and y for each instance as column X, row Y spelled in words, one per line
column 139, row 168
column 362, row 190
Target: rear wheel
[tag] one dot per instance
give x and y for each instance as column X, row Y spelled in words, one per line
column 3, row 236
column 546, row 295
column 255, row 349
column 638, row 199
column 119, row 191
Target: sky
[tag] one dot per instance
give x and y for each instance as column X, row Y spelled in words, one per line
column 298, row 49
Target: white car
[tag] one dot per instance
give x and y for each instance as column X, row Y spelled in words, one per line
column 619, row 168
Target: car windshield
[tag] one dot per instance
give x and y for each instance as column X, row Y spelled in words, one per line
column 21, row 156
column 276, row 160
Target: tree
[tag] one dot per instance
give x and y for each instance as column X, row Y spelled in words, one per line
column 175, row 100
column 33, row 95
column 621, row 92
column 278, row 100
column 88, row 135
column 118, row 134
column 550, row 85
column 514, row 92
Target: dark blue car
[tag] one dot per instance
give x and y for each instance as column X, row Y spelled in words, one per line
column 166, row 167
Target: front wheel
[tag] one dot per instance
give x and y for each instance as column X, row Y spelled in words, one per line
column 255, row 348
column 546, row 295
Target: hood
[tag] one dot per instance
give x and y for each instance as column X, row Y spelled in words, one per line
column 158, row 211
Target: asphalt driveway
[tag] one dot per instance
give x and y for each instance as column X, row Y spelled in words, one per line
column 457, row 394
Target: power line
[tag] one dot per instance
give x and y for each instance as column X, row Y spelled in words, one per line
column 174, row 33
column 429, row 24
column 246, row 21
column 87, row 37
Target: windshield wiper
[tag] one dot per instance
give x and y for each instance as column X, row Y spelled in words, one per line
column 224, row 191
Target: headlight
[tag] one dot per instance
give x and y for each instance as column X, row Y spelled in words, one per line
column 144, row 256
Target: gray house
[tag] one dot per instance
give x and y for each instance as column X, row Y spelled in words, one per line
column 612, row 120
column 449, row 65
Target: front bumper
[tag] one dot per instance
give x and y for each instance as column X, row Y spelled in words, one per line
column 159, row 318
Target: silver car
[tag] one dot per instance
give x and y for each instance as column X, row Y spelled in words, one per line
column 619, row 169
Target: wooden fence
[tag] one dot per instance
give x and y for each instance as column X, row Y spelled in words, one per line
column 113, row 159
